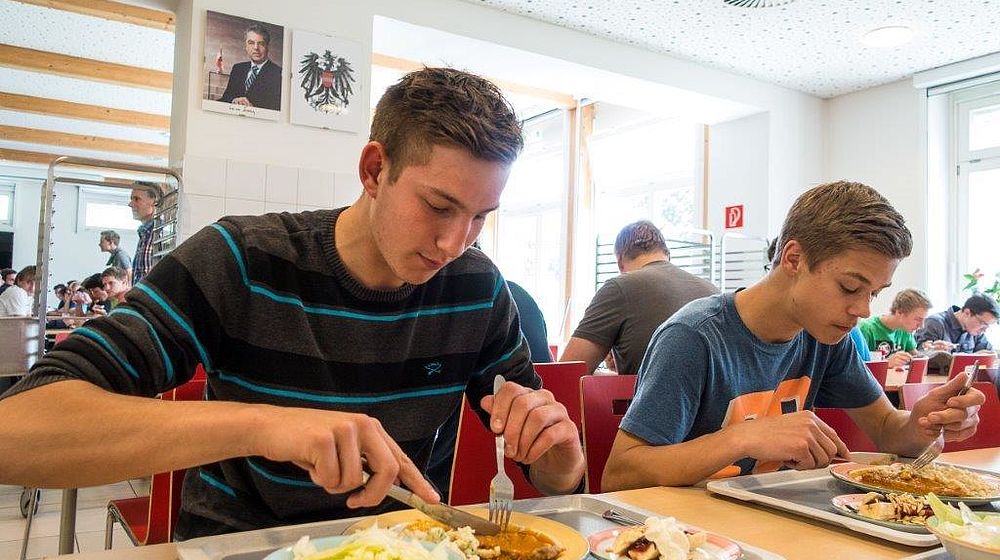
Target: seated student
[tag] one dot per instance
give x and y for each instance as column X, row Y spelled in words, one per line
column 728, row 382
column 627, row 309
column 958, row 330
column 116, row 285
column 100, row 302
column 892, row 333
column 332, row 340
column 7, row 275
column 16, row 301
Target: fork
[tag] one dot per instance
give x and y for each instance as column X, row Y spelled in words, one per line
column 501, row 487
column 937, row 446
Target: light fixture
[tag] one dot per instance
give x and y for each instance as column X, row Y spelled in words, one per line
column 757, row 3
column 888, row 36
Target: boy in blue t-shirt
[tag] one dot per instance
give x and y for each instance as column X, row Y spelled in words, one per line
column 772, row 352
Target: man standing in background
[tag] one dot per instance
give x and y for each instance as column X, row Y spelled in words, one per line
column 119, row 257
column 627, row 309
column 143, row 205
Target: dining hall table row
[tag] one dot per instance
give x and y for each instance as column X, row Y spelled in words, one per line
column 782, row 533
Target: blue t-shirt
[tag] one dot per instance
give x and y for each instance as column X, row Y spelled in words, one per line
column 705, row 370
column 859, row 344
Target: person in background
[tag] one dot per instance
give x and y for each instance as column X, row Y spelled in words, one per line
column 257, row 82
column 16, row 301
column 892, row 334
column 118, row 257
column 8, row 276
column 332, row 340
column 115, row 282
column 958, row 330
column 627, row 309
column 94, row 287
column 64, row 297
column 728, row 383
column 143, row 204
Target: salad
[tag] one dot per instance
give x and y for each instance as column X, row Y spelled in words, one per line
column 374, row 543
column 965, row 525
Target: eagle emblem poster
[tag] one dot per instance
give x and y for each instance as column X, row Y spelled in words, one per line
column 328, row 77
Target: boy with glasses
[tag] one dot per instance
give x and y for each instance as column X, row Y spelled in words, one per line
column 957, row 330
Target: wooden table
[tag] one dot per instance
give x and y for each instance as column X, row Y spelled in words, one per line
column 785, row 534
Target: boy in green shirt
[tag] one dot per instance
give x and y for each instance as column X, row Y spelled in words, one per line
column 892, row 334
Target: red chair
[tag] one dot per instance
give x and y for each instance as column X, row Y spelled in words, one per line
column 841, row 422
column 605, row 399
column 961, row 361
column 880, row 370
column 989, row 416
column 59, row 337
column 563, row 379
column 151, row 519
column 554, row 351
column 475, row 464
column 910, row 393
column 917, row 371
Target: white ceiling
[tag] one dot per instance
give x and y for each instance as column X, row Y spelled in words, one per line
column 807, row 45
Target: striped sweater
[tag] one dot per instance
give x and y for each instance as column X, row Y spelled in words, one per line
column 266, row 304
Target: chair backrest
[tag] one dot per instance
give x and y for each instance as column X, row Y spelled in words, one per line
column 475, row 464
column 605, row 399
column 879, row 369
column 165, row 489
column 961, row 361
column 554, row 351
column 841, row 422
column 917, row 371
column 563, row 379
column 910, row 393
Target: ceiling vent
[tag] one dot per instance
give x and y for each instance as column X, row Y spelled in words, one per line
column 757, row 3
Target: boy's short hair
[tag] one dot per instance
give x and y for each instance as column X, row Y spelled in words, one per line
column 91, row 282
column 832, row 218
column 639, row 238
column 980, row 303
column 115, row 272
column 908, row 300
column 4, row 272
column 111, row 235
column 27, row 274
column 444, row 106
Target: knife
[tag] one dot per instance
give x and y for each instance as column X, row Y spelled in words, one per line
column 450, row 516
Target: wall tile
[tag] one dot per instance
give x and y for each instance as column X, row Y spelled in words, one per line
column 281, row 184
column 240, row 207
column 279, row 207
column 347, row 189
column 204, row 175
column 316, row 188
column 245, row 179
column 198, row 211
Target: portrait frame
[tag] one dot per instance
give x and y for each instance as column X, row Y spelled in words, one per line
column 329, row 82
column 227, row 63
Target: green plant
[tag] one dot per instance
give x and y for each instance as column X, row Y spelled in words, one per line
column 972, row 284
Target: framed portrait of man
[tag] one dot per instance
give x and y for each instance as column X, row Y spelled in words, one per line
column 329, row 82
column 242, row 66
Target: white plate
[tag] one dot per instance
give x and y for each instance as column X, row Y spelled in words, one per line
column 845, row 502
column 716, row 547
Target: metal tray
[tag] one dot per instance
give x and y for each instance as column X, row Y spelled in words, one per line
column 935, row 554
column 808, row 493
column 581, row 512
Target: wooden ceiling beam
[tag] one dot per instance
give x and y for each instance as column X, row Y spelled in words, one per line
column 84, row 68
column 86, row 142
column 114, row 11
column 82, row 111
column 25, row 156
column 563, row 100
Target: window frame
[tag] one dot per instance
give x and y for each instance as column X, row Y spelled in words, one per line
column 91, row 194
column 9, row 189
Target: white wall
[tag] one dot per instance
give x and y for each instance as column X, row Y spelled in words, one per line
column 74, row 254
column 878, row 137
column 738, row 174
column 225, row 142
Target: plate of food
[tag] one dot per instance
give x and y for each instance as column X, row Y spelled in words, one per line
column 899, row 511
column 949, row 482
column 373, row 542
column 663, row 538
column 529, row 537
column 965, row 534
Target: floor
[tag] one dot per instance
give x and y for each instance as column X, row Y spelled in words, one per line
column 44, row 539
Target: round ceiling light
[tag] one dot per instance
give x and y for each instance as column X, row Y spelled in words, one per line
column 757, row 3
column 889, row 36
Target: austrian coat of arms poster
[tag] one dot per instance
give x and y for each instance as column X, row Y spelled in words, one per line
column 328, row 79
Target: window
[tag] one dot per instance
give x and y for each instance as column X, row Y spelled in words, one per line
column 6, row 205
column 105, row 209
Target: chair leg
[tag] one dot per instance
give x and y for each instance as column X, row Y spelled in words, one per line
column 109, row 530
column 32, row 506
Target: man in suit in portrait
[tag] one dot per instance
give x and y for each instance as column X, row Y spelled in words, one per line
column 257, row 82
